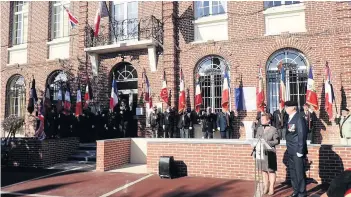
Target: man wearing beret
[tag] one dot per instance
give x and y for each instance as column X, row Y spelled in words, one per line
column 296, row 136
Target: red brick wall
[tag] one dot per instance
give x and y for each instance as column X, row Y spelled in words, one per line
column 113, row 153
column 233, row 161
column 246, row 47
column 35, row 153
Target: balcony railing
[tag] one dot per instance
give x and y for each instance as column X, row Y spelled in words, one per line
column 129, row 29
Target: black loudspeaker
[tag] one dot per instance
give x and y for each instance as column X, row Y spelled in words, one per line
column 166, row 167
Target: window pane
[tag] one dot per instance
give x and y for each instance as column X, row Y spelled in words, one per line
column 268, row 4
column 288, row 2
column 277, row 3
column 25, row 27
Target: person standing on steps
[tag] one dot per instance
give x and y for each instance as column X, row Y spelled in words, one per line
column 296, row 137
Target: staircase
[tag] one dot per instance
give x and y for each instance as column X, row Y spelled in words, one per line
column 85, row 153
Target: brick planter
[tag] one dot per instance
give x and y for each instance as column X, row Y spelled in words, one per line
column 112, row 153
column 35, row 153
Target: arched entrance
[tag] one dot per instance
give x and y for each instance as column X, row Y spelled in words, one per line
column 127, row 83
column 211, row 70
column 57, row 80
column 295, row 64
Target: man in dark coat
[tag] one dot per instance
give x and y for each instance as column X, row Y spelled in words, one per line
column 154, row 122
column 223, row 123
column 208, row 123
column 296, row 137
column 168, row 122
column 124, row 119
column 232, row 124
column 185, row 123
column 310, row 118
column 280, row 117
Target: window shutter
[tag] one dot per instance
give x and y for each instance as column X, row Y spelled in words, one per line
column 11, row 23
column 50, row 21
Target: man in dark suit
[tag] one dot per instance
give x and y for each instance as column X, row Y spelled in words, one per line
column 279, row 120
column 296, row 136
column 310, row 118
column 223, row 123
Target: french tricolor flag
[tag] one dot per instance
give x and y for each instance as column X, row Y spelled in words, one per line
column 59, row 100
column 259, row 91
column 87, row 96
column 225, row 92
column 282, row 88
column 72, row 20
column 114, row 95
column 198, row 96
column 311, row 94
column 329, row 93
column 181, row 107
column 164, row 91
column 67, row 103
column 79, row 110
column 100, row 12
column 148, row 97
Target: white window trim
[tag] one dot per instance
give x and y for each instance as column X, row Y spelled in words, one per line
column 18, row 47
column 283, row 9
column 59, row 41
column 211, row 19
column 14, row 39
column 63, row 12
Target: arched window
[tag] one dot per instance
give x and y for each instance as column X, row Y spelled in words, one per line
column 295, row 64
column 126, row 76
column 16, row 93
column 211, row 70
column 57, row 80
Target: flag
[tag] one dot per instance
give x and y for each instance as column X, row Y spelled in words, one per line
column 198, row 96
column 259, row 91
column 33, row 98
column 67, row 103
column 329, row 93
column 47, row 99
column 59, row 100
column 72, row 20
column 239, row 95
column 100, row 12
column 40, row 131
column 164, row 91
column 182, row 104
column 225, row 92
column 282, row 88
column 114, row 94
column 88, row 95
column 311, row 94
column 148, row 97
column 79, row 110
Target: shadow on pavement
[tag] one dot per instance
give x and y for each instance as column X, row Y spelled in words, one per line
column 13, row 175
column 37, row 190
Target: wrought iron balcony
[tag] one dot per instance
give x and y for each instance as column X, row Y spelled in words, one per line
column 127, row 30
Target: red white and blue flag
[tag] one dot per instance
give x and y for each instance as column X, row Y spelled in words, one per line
column 47, row 99
column 225, row 92
column 329, row 93
column 182, row 104
column 114, row 94
column 67, row 103
column 40, row 131
column 282, row 87
column 72, row 19
column 148, row 97
column 100, row 12
column 198, row 96
column 59, row 100
column 79, row 110
column 87, row 95
column 311, row 94
column 164, row 91
column 259, row 91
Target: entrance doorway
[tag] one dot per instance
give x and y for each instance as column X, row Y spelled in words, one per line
column 127, row 85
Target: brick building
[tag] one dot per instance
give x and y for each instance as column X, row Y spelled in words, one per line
column 202, row 38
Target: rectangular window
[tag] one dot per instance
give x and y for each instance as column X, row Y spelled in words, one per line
column 20, row 22
column 125, row 20
column 269, row 4
column 208, row 8
column 60, row 22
